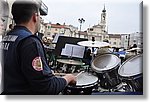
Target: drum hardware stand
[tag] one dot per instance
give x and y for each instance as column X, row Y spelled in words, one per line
column 73, row 69
column 124, row 87
column 64, row 67
column 134, row 85
column 85, row 67
column 100, row 89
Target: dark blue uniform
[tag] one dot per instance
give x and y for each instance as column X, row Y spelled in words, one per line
column 25, row 67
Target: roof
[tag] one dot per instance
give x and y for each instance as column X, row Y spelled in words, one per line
column 114, row 35
column 58, row 26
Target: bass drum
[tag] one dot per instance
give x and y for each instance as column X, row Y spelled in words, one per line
column 131, row 73
column 84, row 86
column 106, row 66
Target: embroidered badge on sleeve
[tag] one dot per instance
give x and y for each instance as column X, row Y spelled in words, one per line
column 37, row 64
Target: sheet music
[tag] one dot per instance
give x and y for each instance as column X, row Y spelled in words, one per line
column 66, row 51
column 73, row 51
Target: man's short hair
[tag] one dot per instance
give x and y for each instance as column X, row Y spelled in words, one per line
column 22, row 11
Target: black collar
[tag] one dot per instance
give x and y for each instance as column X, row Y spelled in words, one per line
column 21, row 27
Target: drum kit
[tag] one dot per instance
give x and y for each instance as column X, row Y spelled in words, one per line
column 108, row 74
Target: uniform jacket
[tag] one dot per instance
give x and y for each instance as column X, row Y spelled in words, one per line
column 25, row 68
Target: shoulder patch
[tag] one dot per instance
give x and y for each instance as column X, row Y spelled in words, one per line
column 37, row 64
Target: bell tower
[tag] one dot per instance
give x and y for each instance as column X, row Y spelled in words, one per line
column 103, row 17
column 102, row 23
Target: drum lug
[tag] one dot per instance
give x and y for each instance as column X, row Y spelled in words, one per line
column 68, row 91
column 82, row 92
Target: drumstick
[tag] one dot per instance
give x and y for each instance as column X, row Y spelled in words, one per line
column 79, row 73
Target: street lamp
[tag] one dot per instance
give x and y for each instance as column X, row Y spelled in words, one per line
column 81, row 21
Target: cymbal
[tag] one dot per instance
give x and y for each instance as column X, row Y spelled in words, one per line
column 69, row 61
column 93, row 44
column 137, row 48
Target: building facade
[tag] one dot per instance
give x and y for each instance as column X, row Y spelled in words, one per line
column 136, row 38
column 65, row 30
column 115, row 40
column 125, row 40
column 73, row 30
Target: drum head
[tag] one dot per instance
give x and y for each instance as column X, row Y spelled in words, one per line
column 86, row 79
column 131, row 67
column 105, row 62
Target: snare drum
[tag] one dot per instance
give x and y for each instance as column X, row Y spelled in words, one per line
column 84, row 86
column 106, row 66
column 131, row 73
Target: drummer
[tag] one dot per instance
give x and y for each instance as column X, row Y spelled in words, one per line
column 25, row 68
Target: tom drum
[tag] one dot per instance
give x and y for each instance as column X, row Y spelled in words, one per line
column 131, row 72
column 106, row 66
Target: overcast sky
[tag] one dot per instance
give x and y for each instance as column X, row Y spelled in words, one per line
column 123, row 16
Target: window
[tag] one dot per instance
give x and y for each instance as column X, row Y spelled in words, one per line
column 114, row 43
column 91, row 29
column 49, row 27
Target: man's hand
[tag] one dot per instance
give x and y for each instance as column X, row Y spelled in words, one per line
column 70, row 78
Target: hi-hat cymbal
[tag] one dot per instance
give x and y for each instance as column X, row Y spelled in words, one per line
column 93, row 43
